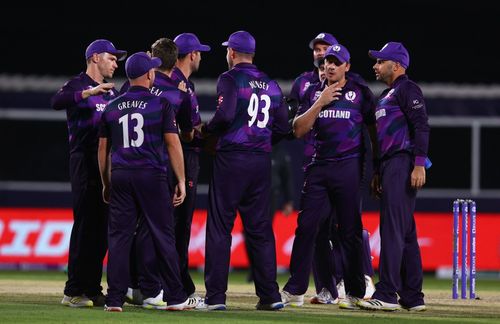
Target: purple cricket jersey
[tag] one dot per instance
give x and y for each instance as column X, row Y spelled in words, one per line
column 177, row 76
column 338, row 130
column 83, row 115
column 251, row 108
column 299, row 88
column 135, row 122
column 166, row 87
column 402, row 123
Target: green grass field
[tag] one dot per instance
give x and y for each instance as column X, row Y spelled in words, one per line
column 34, row 297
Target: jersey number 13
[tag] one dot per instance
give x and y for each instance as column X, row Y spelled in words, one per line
column 137, row 130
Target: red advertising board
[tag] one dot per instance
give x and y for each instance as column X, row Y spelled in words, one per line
column 42, row 236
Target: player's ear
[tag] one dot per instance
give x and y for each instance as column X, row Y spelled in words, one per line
column 95, row 58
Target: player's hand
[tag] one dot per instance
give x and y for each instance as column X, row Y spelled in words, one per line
column 418, row 177
column 98, row 90
column 182, row 86
column 376, row 186
column 180, row 193
column 329, row 94
column 106, row 194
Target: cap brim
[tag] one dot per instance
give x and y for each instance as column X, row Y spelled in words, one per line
column 204, row 48
column 377, row 55
column 318, row 40
column 121, row 55
column 337, row 57
column 155, row 62
column 225, row 44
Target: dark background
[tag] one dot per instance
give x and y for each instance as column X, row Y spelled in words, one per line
column 448, row 42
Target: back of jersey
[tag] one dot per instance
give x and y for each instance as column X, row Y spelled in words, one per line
column 257, row 108
column 136, row 122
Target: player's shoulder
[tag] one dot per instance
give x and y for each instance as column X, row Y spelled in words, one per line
column 357, row 79
column 307, row 76
column 406, row 85
column 76, row 82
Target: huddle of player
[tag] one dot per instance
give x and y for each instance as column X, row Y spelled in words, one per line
column 141, row 154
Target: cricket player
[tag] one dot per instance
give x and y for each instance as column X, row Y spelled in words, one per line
column 251, row 110
column 147, row 277
column 329, row 289
column 403, row 138
column 137, row 129
column 188, row 62
column 84, row 98
column 336, row 110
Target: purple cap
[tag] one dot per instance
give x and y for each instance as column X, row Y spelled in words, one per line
column 188, row 42
column 324, row 38
column 241, row 41
column 103, row 45
column 339, row 51
column 139, row 64
column 392, row 51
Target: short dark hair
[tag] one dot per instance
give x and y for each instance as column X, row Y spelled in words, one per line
column 167, row 51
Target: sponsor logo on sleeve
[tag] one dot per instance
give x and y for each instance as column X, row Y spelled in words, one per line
column 417, row 104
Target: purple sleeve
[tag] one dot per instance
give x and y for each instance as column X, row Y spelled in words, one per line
column 295, row 92
column 184, row 115
column 281, row 127
column 125, row 87
column 305, row 103
column 103, row 129
column 169, row 124
column 368, row 106
column 413, row 106
column 227, row 94
column 68, row 96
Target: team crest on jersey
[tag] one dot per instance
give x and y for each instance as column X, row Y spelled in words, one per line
column 100, row 107
column 350, row 95
column 306, row 86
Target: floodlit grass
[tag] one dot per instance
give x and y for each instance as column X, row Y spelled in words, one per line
column 33, row 297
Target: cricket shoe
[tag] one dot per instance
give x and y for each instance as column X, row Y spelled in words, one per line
column 98, row 300
column 198, row 298
column 206, row 307
column 341, row 289
column 292, row 300
column 155, row 302
column 190, row 303
column 416, row 308
column 377, row 304
column 349, row 302
column 134, row 297
column 270, row 307
column 370, row 287
column 77, row 301
column 324, row 297
column 113, row 309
